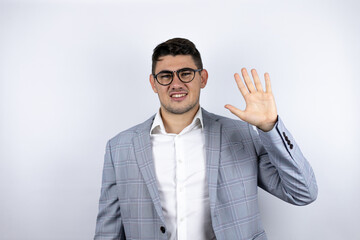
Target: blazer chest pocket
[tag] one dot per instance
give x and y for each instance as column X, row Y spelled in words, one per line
column 236, row 163
column 234, row 151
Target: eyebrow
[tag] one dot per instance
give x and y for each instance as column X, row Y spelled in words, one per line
column 166, row 70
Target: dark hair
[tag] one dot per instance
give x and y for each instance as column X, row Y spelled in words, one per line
column 176, row 46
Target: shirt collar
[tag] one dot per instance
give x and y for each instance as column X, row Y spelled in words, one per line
column 158, row 125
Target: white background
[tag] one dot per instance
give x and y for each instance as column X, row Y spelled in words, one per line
column 75, row 73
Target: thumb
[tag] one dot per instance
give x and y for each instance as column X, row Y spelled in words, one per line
column 240, row 114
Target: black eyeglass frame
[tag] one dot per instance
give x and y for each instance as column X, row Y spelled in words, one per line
column 177, row 74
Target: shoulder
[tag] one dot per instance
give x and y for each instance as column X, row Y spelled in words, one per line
column 226, row 123
column 125, row 137
column 230, row 130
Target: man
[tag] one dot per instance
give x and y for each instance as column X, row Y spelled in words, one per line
column 186, row 173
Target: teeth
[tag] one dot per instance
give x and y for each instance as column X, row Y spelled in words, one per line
column 178, row 95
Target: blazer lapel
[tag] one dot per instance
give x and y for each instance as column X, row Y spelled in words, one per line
column 144, row 157
column 212, row 132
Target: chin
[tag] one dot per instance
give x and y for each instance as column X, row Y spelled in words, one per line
column 179, row 110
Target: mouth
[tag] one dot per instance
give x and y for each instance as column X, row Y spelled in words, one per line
column 178, row 96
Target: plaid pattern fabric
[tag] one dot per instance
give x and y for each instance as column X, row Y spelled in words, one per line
column 238, row 161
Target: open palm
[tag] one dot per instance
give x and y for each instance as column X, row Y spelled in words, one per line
column 260, row 108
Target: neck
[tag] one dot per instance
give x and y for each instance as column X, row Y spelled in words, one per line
column 175, row 123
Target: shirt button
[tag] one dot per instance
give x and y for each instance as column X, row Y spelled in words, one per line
column 162, row 229
column 181, row 189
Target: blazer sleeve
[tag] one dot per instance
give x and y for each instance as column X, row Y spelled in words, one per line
column 282, row 169
column 108, row 224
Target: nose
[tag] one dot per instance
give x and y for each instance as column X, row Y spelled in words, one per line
column 176, row 83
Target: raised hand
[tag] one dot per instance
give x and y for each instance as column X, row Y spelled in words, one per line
column 260, row 108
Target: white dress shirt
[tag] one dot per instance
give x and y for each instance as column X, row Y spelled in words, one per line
column 180, row 168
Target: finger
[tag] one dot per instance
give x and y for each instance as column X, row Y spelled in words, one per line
column 267, row 82
column 247, row 80
column 235, row 111
column 256, row 80
column 240, row 85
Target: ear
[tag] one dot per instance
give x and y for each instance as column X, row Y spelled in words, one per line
column 152, row 83
column 204, row 78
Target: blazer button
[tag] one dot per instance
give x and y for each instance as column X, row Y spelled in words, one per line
column 162, row 229
column 291, row 146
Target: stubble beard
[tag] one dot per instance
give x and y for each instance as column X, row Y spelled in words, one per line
column 180, row 110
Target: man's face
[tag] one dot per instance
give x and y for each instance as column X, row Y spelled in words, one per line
column 178, row 97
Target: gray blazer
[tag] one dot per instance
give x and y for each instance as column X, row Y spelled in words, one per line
column 238, row 160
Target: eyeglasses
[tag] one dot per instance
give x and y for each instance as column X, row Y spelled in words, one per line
column 185, row 75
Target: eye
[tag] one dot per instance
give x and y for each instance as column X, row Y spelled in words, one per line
column 186, row 74
column 164, row 76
